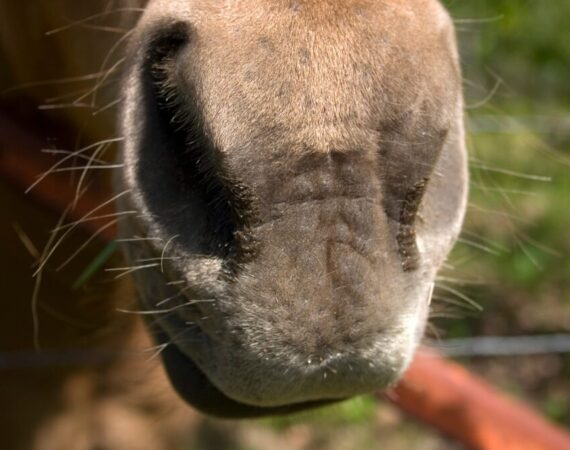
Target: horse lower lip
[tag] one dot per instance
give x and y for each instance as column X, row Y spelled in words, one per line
column 195, row 387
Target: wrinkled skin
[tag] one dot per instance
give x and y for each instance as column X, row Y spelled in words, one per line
column 300, row 172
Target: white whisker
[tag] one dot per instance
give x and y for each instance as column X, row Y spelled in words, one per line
column 93, row 218
column 69, row 230
column 84, row 168
column 70, row 156
column 172, row 239
column 90, row 18
column 511, row 173
column 128, row 270
column 478, row 246
column 460, row 295
column 108, row 106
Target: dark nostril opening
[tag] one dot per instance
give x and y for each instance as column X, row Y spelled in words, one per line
column 180, row 173
column 198, row 172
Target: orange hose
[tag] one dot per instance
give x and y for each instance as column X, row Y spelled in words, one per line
column 446, row 396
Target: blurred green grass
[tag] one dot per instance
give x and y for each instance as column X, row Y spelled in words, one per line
column 521, row 47
column 518, row 51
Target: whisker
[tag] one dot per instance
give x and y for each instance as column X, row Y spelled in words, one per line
column 98, row 152
column 87, row 242
column 498, row 213
column 502, row 190
column 163, row 311
column 156, row 350
column 107, row 58
column 446, row 315
column 128, row 270
column 487, row 242
column 70, row 229
column 497, row 18
column 92, row 167
column 93, row 218
column 68, row 95
column 172, row 239
column 100, row 82
column 108, row 106
column 90, row 18
column 460, row 281
column 64, row 106
column 539, row 245
column 474, row 244
column 26, row 241
column 462, row 296
column 525, row 176
column 487, row 98
column 104, row 28
column 454, row 302
column 528, row 254
column 38, row 275
column 159, row 259
column 172, row 297
column 138, row 239
column 160, row 348
column 67, row 80
column 69, row 152
column 70, row 156
column 433, row 330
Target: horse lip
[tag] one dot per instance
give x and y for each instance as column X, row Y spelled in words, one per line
column 195, row 388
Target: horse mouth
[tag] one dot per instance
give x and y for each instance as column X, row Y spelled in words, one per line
column 194, row 386
column 189, row 332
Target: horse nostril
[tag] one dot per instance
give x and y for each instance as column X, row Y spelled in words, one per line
column 180, row 174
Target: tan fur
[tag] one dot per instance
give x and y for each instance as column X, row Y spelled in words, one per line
column 334, row 131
